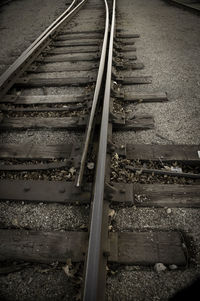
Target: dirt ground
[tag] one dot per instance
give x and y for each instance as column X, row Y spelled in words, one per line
column 169, row 48
column 21, row 22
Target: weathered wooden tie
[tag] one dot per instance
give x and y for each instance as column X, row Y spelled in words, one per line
column 78, row 36
column 84, row 57
column 71, row 50
column 37, row 151
column 73, row 123
column 140, row 248
column 145, row 97
column 165, row 153
column 44, row 191
column 80, row 43
column 139, row 195
column 62, row 67
column 43, row 99
column 52, row 82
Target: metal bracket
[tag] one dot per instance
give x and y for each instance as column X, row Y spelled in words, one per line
column 117, row 94
column 106, row 248
column 114, row 72
column 110, row 191
column 115, row 86
column 120, row 41
column 76, row 155
column 82, row 121
column 121, row 150
column 117, row 54
column 110, row 147
column 118, row 64
column 88, row 103
column 112, row 116
column 116, row 119
column 118, row 78
column 123, row 64
column 117, row 46
column 118, row 193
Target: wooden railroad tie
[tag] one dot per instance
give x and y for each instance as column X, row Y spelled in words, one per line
column 139, row 248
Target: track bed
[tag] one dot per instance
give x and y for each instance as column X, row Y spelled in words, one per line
column 109, row 211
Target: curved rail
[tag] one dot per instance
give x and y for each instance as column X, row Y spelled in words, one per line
column 9, row 77
column 95, row 101
column 95, row 252
column 192, row 6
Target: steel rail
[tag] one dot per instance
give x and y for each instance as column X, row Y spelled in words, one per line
column 94, row 101
column 9, row 77
column 95, row 252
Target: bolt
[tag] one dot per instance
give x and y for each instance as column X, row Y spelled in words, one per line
column 62, row 190
column 26, row 189
column 122, row 191
column 90, row 165
column 106, row 253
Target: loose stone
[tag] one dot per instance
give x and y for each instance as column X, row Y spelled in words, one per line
column 173, row 267
column 169, row 211
column 159, row 267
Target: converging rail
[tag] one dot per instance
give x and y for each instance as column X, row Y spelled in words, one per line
column 95, row 99
column 95, row 279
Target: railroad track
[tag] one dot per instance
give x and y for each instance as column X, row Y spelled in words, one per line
column 72, row 83
column 190, row 5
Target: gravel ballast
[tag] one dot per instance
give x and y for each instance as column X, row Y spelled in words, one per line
column 38, row 281
column 168, row 47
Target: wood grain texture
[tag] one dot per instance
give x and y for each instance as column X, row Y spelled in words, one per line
column 22, row 123
column 166, row 153
column 34, row 151
column 141, row 248
column 43, row 191
column 148, row 248
column 42, row 99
